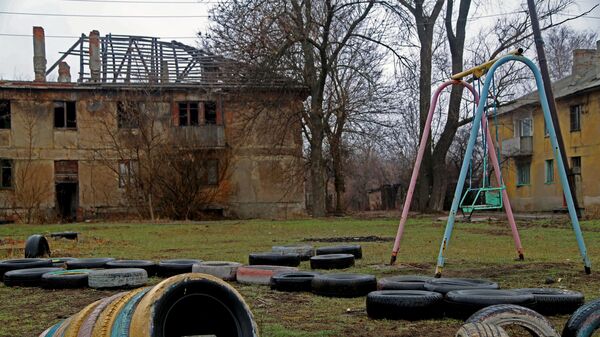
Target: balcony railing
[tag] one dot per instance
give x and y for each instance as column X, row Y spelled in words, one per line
column 199, row 136
column 517, row 146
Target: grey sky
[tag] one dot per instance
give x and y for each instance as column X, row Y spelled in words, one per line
column 16, row 52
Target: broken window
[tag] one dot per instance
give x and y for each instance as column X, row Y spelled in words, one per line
column 212, row 172
column 188, row 114
column 575, row 117
column 523, row 173
column 65, row 115
column 4, row 114
column 127, row 169
column 128, row 115
column 210, row 112
column 6, row 166
column 576, row 165
column 549, row 171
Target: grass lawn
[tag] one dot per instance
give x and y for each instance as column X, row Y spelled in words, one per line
column 481, row 250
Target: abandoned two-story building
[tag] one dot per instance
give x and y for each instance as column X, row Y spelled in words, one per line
column 141, row 106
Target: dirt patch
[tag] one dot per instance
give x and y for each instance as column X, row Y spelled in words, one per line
column 488, row 231
column 370, row 238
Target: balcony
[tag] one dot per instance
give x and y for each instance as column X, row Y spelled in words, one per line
column 517, row 147
column 199, row 136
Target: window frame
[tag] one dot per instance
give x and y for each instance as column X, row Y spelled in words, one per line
column 6, row 163
column 126, row 169
column 5, row 114
column 549, row 171
column 520, row 170
column 189, row 120
column 213, row 121
column 521, row 127
column 576, row 160
column 65, row 118
column 575, row 110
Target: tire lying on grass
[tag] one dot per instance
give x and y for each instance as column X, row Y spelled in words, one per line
column 60, row 262
column 343, row 285
column 584, row 321
column 444, row 285
column 117, row 278
column 293, row 281
column 508, row 314
column 403, row 282
column 15, row 264
column 36, row 246
column 168, row 268
column 332, row 261
column 355, row 250
column 305, row 251
column 192, row 305
column 31, row 277
column 481, row 330
column 260, row 274
column 149, row 266
column 552, row 301
column 65, row 279
column 274, row 259
column 88, row 263
column 463, row 303
column 224, row 270
column 404, row 304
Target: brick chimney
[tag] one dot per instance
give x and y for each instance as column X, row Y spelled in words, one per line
column 94, row 50
column 39, row 54
column 583, row 61
column 64, row 72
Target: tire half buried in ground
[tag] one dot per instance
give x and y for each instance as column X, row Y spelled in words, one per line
column 192, row 305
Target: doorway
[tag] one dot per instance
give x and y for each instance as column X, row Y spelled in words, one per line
column 67, row 189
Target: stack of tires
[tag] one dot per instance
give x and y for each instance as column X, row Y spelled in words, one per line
column 189, row 304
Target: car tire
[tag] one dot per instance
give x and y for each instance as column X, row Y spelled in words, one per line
column 584, row 321
column 293, row 281
column 332, row 261
column 224, row 270
column 445, row 285
column 404, row 304
column 355, row 250
column 260, row 274
column 31, row 277
column 507, row 314
column 343, row 285
column 463, row 303
column 168, row 268
column 117, row 278
column 403, row 282
column 305, row 251
column 15, row 264
column 274, row 259
column 65, row 279
column 552, row 301
column 88, row 263
column 36, row 246
column 149, row 266
column 481, row 330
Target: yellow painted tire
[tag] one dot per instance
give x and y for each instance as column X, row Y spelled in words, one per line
column 78, row 319
column 61, row 331
column 85, row 330
column 192, row 304
column 104, row 323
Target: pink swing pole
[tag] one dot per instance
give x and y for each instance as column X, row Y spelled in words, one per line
column 417, row 167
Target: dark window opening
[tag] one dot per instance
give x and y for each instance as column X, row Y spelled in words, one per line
column 6, row 166
column 128, row 115
column 188, row 114
column 4, row 114
column 127, row 169
column 523, row 173
column 576, row 165
column 575, row 117
column 65, row 115
column 210, row 112
column 212, row 172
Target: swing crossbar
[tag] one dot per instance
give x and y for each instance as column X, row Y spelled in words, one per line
column 481, row 69
column 492, row 199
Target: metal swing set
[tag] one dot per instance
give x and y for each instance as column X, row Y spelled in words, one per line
column 486, row 197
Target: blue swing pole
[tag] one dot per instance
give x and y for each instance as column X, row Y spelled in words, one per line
column 469, row 152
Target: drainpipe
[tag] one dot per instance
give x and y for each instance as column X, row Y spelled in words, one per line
column 39, row 54
column 94, row 50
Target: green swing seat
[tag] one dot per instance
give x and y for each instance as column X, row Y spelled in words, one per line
column 492, row 199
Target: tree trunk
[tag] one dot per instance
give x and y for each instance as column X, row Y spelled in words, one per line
column 338, row 174
column 317, row 178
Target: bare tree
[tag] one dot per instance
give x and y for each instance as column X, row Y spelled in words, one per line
column 560, row 43
column 298, row 39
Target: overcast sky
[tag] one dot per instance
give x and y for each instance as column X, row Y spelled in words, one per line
column 16, row 52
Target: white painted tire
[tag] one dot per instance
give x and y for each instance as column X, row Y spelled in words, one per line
column 224, row 270
column 305, row 251
column 260, row 274
column 118, row 278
